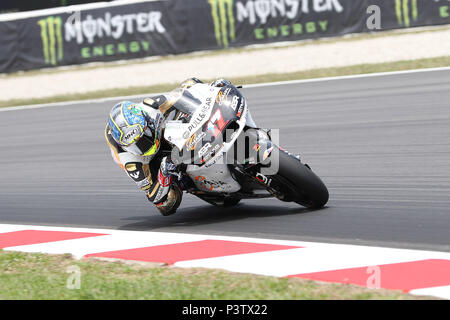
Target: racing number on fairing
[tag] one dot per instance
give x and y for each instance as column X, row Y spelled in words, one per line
column 216, row 123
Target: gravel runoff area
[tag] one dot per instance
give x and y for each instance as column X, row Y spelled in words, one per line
column 300, row 56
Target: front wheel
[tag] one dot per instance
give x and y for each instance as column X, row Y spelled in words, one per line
column 298, row 183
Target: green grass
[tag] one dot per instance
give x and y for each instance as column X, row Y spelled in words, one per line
column 310, row 74
column 41, row 276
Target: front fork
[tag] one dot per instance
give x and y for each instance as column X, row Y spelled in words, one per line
column 261, row 160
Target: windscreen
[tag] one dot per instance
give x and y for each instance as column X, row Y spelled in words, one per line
column 185, row 101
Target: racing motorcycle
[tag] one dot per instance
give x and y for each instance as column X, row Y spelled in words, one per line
column 225, row 157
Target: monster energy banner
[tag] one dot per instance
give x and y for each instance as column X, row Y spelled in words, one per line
column 243, row 22
column 151, row 28
column 111, row 33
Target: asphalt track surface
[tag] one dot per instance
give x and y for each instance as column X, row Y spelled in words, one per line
column 381, row 145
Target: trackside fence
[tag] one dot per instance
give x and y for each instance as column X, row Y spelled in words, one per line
column 107, row 32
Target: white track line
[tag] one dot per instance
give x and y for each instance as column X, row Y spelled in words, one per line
column 318, row 258
column 67, row 9
column 249, row 86
column 355, row 76
column 441, row 292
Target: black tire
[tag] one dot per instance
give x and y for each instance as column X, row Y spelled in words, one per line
column 301, row 184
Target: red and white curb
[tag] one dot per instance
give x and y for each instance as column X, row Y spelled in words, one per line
column 414, row 271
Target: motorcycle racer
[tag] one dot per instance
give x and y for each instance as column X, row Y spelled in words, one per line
column 134, row 133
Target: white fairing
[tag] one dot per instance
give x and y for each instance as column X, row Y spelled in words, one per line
column 214, row 175
column 177, row 132
column 215, row 178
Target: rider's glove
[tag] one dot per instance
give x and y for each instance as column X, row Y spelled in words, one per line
column 165, row 178
column 167, row 167
column 220, row 83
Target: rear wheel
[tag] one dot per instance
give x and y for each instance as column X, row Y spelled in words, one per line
column 298, row 183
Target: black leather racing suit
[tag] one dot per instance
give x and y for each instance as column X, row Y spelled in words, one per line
column 144, row 170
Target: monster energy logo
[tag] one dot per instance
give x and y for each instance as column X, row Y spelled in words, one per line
column 51, row 36
column 406, row 10
column 223, row 18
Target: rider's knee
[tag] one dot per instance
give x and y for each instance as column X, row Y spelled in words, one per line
column 172, row 202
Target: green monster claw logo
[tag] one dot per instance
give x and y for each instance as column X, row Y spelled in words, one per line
column 51, row 36
column 403, row 10
column 223, row 18
column 136, row 110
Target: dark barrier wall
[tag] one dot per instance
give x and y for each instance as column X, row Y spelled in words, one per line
column 241, row 22
column 178, row 26
column 105, row 34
